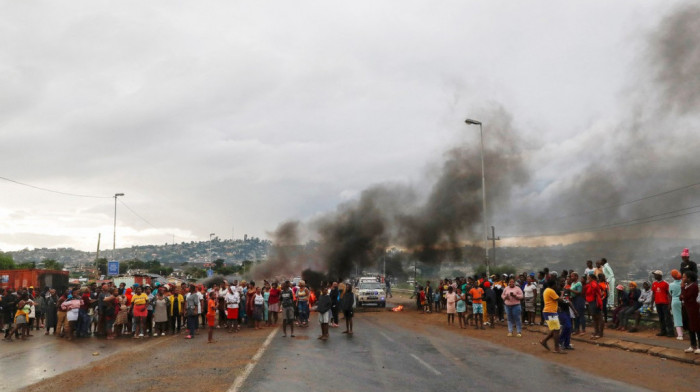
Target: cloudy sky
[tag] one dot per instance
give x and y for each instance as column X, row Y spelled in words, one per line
column 229, row 117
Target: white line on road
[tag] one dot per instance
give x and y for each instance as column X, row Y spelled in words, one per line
column 249, row 368
column 387, row 337
column 432, row 369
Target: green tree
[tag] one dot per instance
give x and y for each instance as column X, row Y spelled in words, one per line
column 27, row 265
column 6, row 262
column 102, row 265
column 51, row 264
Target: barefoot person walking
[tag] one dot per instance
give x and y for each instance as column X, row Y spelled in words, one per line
column 347, row 303
column 287, row 299
column 550, row 316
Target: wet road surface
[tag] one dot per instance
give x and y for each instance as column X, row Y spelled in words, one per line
column 382, row 356
column 40, row 357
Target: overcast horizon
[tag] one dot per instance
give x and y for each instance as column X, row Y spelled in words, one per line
column 230, row 118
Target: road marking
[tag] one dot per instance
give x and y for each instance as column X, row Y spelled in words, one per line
column 387, row 337
column 249, row 368
column 432, row 369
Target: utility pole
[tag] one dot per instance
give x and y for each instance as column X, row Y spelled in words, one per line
column 493, row 238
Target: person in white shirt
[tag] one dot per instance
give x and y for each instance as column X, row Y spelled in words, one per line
column 232, row 298
column 530, row 296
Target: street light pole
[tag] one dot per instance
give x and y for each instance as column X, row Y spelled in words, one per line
column 114, row 239
column 483, row 193
column 210, row 236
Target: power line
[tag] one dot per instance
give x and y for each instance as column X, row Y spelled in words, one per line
column 586, row 212
column 54, row 191
column 632, row 222
column 142, row 218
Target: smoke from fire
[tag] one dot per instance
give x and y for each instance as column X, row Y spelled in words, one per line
column 650, row 149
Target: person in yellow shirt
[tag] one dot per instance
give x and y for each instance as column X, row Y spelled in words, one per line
column 551, row 304
column 140, row 311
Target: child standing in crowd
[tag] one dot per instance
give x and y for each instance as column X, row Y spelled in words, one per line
column 461, row 308
column 451, row 305
column 211, row 315
column 476, row 294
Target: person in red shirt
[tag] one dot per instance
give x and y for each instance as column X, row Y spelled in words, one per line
column 662, row 299
column 211, row 315
column 594, row 299
column 274, row 303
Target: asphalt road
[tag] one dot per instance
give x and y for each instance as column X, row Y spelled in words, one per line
column 381, row 356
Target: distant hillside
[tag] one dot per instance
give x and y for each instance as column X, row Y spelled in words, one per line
column 231, row 251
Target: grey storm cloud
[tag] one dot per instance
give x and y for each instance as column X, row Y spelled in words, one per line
column 231, row 118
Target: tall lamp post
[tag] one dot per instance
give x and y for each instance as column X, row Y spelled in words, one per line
column 210, row 237
column 114, row 238
column 483, row 193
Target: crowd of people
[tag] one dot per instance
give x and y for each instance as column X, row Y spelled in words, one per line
column 112, row 312
column 569, row 302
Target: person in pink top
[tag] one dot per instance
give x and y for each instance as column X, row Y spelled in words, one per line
column 451, row 305
column 512, row 296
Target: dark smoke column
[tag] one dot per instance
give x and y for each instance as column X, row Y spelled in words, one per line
column 483, row 194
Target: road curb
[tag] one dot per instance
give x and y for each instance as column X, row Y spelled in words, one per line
column 621, row 344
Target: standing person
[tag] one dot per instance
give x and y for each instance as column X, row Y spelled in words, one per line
column 511, row 296
column 112, row 309
column 139, row 310
column 387, row 282
column 595, row 305
column 564, row 314
column 51, row 309
column 258, row 307
column 9, row 307
column 461, row 309
column 490, row 299
column 689, row 297
column 211, row 315
column 323, row 307
column 551, row 317
column 429, row 296
column 589, row 268
column 232, row 299
column 686, row 263
column 72, row 307
column 334, row 295
column 477, row 293
column 287, row 300
column 578, row 301
column 498, row 287
column 122, row 319
column 39, row 309
column 191, row 304
column 530, row 295
column 303, row 301
column 160, row 312
column 676, row 306
column 250, row 304
column 176, row 310
column 266, row 311
column 347, row 304
column 451, row 305
column 662, row 300
column 604, row 293
column 610, row 280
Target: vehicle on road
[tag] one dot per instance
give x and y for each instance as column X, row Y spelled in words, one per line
column 371, row 293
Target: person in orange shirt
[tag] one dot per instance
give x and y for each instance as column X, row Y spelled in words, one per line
column 211, row 315
column 477, row 294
